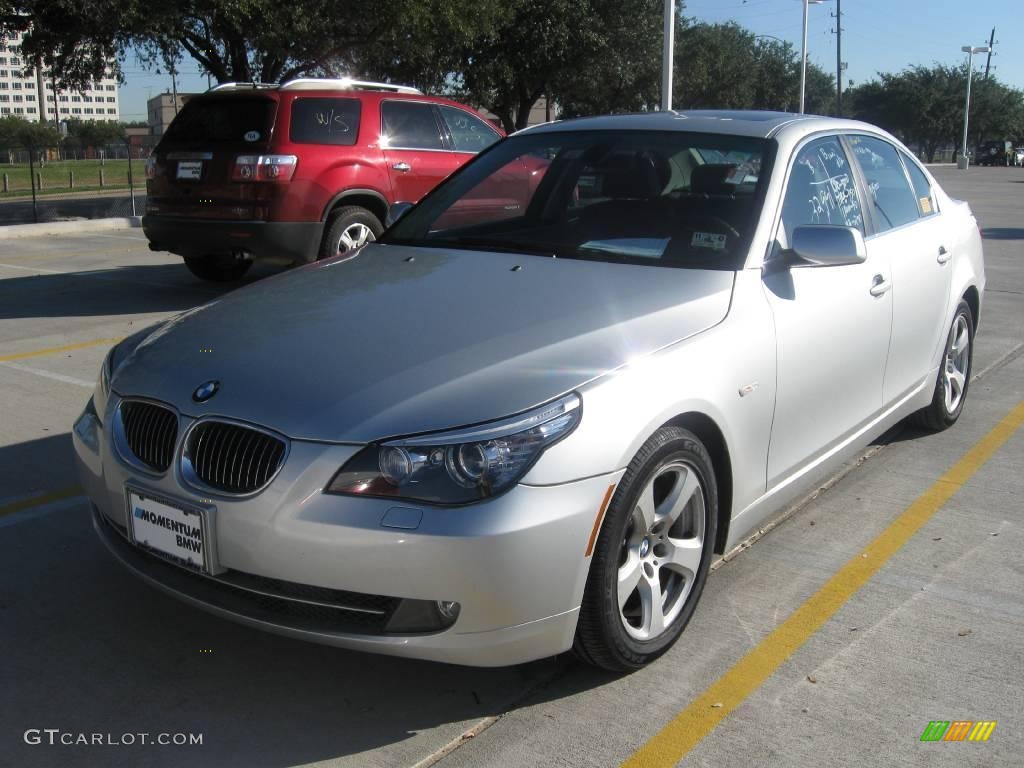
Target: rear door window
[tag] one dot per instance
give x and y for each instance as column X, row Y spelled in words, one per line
column 468, row 133
column 409, row 125
column 223, row 121
column 325, row 121
column 890, row 196
column 922, row 187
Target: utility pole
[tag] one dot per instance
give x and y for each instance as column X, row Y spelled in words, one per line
column 839, row 57
column 174, row 87
column 988, row 59
column 803, row 55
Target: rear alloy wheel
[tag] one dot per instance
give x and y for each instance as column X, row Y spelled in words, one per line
column 347, row 229
column 653, row 554
column 954, row 374
column 218, row 269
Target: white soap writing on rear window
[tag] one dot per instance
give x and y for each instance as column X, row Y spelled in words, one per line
column 712, row 240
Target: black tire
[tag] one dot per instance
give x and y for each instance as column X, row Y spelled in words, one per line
column 342, row 220
column 938, row 416
column 601, row 637
column 217, row 269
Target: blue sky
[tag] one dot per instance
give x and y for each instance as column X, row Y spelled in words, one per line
column 879, row 35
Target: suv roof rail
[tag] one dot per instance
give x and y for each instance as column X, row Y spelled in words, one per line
column 345, row 83
column 224, row 86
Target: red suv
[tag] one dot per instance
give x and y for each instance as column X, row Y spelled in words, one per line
column 297, row 172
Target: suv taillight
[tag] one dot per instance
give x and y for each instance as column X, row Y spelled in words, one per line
column 264, row 167
column 151, row 167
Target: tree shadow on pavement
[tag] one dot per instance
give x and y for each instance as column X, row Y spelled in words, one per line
column 1003, row 233
column 118, row 291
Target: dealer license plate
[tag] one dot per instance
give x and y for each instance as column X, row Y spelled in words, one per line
column 168, row 529
column 190, row 169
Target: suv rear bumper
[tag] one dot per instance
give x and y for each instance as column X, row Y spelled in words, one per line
column 296, row 241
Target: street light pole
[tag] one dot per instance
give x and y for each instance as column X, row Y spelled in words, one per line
column 803, row 62
column 667, row 54
column 962, row 162
column 803, row 55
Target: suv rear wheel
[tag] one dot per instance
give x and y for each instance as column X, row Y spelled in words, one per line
column 348, row 228
column 217, row 269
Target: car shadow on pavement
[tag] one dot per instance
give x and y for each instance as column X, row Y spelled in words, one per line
column 1002, row 233
column 119, row 291
column 89, row 648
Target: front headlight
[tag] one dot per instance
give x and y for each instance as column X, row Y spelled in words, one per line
column 102, row 391
column 460, row 466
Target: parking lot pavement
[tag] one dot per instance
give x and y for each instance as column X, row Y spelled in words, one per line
column 931, row 632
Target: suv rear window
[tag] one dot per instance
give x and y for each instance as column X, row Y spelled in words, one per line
column 325, row 121
column 225, row 121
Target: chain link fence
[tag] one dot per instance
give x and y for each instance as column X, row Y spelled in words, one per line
column 70, row 182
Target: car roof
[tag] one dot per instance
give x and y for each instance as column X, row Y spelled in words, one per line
column 753, row 123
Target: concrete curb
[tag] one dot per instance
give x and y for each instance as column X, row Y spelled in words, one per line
column 12, row 231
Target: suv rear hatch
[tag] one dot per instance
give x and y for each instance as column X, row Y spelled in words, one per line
column 194, row 170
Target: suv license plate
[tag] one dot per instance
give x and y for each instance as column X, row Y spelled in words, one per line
column 190, row 169
column 168, row 529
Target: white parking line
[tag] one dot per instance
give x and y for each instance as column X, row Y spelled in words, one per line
column 141, row 239
column 34, row 269
column 50, row 375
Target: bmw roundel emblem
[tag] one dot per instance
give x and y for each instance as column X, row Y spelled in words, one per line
column 205, row 391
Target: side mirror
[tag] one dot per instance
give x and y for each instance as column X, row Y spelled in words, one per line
column 825, row 245
column 395, row 212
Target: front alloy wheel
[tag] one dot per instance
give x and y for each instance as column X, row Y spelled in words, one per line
column 661, row 551
column 652, row 555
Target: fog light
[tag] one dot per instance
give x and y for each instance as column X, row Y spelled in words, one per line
column 422, row 616
column 449, row 610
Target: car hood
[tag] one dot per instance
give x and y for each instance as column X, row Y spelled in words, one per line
column 400, row 340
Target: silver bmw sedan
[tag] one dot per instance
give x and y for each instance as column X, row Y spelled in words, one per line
column 527, row 419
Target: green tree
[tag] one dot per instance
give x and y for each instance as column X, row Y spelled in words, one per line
column 89, row 133
column 240, row 40
column 725, row 66
column 17, row 133
column 924, row 107
column 541, row 47
column 622, row 73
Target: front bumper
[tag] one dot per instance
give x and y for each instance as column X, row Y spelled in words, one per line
column 515, row 564
column 296, row 241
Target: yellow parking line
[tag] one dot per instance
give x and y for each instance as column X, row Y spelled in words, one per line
column 690, row 726
column 55, row 350
column 37, row 501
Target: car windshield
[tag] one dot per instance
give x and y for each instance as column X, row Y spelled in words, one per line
column 658, row 198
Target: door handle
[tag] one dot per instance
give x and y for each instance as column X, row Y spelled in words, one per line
column 403, row 167
column 879, row 285
column 944, row 255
